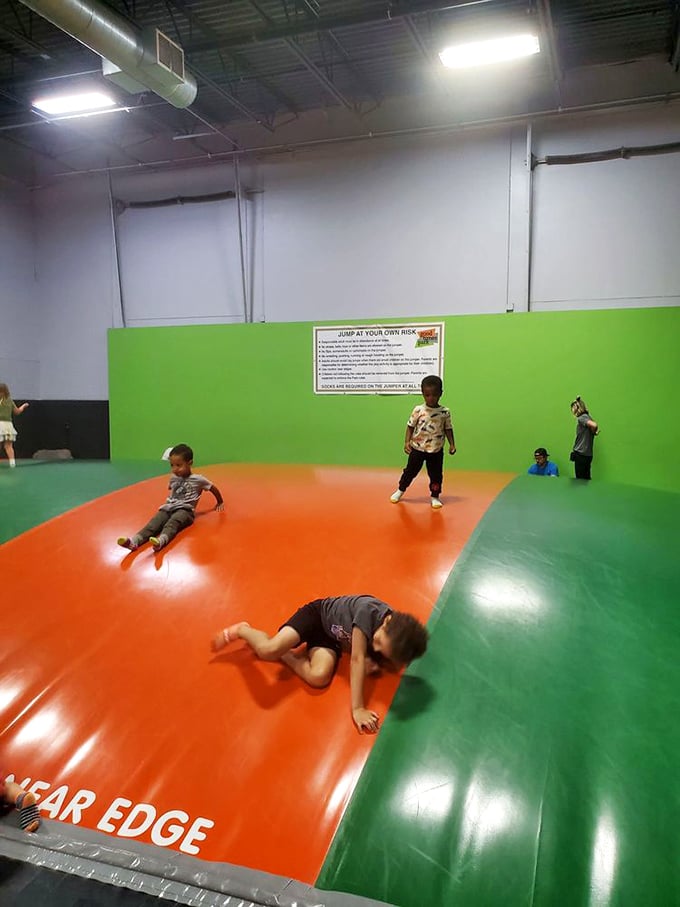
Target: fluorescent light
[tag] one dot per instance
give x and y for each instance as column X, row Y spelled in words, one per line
column 92, row 100
column 480, row 53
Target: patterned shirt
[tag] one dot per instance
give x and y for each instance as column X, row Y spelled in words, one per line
column 184, row 493
column 429, row 424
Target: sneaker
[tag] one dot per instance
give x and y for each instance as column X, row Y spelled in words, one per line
column 436, row 503
column 158, row 542
column 125, row 542
column 397, row 496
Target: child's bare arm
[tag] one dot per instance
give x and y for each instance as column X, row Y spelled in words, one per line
column 449, row 437
column 365, row 719
column 18, row 410
column 218, row 497
column 407, row 439
column 593, row 426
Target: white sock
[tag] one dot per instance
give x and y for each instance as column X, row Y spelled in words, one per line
column 12, row 461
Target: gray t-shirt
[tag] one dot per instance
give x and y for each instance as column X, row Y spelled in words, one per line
column 584, row 436
column 340, row 614
column 184, row 493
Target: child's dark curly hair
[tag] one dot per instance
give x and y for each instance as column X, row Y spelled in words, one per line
column 183, row 451
column 433, row 381
column 408, row 637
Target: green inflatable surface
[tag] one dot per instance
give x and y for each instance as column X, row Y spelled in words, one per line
column 531, row 758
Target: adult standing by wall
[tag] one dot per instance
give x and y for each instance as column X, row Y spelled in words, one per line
column 586, row 429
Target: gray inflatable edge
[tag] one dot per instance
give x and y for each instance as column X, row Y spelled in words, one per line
column 159, row 872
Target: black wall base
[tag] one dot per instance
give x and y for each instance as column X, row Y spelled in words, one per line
column 82, row 426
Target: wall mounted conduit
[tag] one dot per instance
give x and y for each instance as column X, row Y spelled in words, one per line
column 612, row 154
column 177, row 200
column 182, row 200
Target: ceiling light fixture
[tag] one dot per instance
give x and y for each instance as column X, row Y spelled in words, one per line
column 74, row 103
column 497, row 50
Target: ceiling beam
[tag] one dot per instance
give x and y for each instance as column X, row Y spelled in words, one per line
column 211, row 83
column 216, row 129
column 312, row 7
column 314, row 12
column 319, row 74
column 167, row 129
column 626, row 12
column 232, row 99
column 274, row 32
column 192, row 110
column 237, row 58
column 351, row 65
column 316, row 71
column 102, row 143
column 675, row 53
column 12, row 124
column 26, row 42
column 549, row 35
column 426, row 53
column 25, row 82
column 141, row 110
column 44, row 155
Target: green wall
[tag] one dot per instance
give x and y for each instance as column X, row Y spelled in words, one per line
column 243, row 393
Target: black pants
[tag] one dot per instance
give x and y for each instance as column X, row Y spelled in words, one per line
column 435, row 470
column 581, row 465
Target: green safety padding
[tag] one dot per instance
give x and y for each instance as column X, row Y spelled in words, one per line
column 531, row 758
column 37, row 490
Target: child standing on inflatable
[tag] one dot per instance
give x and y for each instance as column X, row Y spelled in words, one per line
column 8, row 435
column 426, row 430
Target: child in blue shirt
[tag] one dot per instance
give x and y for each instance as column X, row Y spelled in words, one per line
column 542, row 466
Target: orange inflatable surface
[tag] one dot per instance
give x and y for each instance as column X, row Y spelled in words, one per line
column 112, row 706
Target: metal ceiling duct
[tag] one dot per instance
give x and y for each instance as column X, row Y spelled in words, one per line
column 138, row 56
